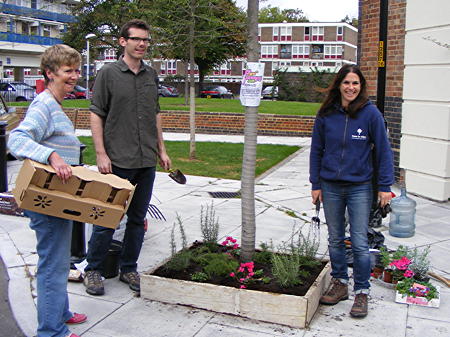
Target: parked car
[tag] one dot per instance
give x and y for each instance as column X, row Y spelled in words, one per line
column 79, row 92
column 216, row 91
column 8, row 115
column 17, row 91
column 167, row 91
column 270, row 92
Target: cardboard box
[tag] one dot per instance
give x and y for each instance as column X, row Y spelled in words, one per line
column 422, row 301
column 88, row 196
column 8, row 205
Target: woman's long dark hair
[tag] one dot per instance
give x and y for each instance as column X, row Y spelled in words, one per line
column 333, row 96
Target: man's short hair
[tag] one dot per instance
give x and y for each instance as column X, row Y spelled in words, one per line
column 57, row 56
column 135, row 23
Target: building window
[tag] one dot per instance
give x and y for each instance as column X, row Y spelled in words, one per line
column 300, row 51
column 307, row 33
column 46, row 30
column 259, row 33
column 225, row 69
column 195, row 69
column 339, row 33
column 269, row 52
column 332, row 52
column 275, row 33
column 316, row 64
column 286, row 33
column 172, row 67
column 34, row 4
column 26, row 28
column 317, row 33
column 110, row 54
column 27, row 71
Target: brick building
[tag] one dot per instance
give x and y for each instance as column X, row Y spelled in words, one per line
column 417, row 99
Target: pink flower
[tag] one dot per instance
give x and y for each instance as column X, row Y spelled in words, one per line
column 233, row 240
column 243, row 287
column 232, row 274
column 235, row 246
column 230, row 238
column 408, row 273
column 241, row 280
column 225, row 243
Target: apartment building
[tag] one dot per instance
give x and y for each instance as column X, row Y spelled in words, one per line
column 287, row 46
column 27, row 28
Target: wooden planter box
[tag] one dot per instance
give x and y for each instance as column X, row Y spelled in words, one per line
column 295, row 311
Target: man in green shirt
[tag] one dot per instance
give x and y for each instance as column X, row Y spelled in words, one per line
column 127, row 134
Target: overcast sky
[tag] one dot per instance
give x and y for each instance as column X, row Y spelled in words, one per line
column 315, row 10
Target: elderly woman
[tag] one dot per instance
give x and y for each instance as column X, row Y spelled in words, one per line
column 46, row 135
column 347, row 131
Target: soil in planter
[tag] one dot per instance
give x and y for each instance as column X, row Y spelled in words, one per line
column 272, row 286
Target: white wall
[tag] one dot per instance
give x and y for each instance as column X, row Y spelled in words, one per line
column 425, row 142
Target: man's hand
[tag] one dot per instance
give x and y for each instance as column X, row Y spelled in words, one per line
column 164, row 161
column 384, row 198
column 316, row 195
column 63, row 170
column 104, row 163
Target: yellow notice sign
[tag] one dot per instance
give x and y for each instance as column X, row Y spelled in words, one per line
column 381, row 54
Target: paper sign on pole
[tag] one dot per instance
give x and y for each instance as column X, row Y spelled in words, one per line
column 251, row 85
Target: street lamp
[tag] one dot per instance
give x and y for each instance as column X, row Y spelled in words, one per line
column 87, row 63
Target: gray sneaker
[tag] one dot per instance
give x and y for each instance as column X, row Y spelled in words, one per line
column 93, row 282
column 133, row 280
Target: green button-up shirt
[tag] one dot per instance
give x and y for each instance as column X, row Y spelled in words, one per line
column 128, row 103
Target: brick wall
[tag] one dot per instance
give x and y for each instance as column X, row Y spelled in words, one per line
column 215, row 123
column 368, row 61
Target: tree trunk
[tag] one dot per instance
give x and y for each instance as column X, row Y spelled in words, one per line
column 248, row 233
column 186, row 83
column 192, row 154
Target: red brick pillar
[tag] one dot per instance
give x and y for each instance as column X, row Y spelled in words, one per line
column 369, row 17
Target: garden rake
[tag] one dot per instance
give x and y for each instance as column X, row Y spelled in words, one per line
column 155, row 213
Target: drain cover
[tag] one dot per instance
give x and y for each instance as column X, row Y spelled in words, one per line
column 225, row 195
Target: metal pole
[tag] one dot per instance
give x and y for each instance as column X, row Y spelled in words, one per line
column 87, row 67
column 3, row 159
column 381, row 83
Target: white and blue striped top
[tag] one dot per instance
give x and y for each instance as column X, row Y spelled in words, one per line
column 45, row 128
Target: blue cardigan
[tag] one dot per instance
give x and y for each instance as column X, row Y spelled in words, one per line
column 341, row 148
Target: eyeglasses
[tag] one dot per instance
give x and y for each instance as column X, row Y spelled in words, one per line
column 139, row 39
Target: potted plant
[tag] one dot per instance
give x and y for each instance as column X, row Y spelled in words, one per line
column 411, row 291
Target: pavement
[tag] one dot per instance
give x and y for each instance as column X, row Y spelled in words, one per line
column 282, row 191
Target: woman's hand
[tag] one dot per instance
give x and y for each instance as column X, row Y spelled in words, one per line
column 63, row 170
column 316, row 195
column 384, row 198
column 164, row 161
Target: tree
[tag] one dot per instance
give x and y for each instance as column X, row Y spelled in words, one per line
column 248, row 231
column 271, row 14
column 353, row 21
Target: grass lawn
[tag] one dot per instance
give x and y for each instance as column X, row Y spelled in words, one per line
column 214, row 105
column 219, row 160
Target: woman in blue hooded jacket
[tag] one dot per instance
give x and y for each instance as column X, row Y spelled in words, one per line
column 348, row 130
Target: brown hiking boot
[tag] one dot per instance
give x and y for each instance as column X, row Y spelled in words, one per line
column 338, row 291
column 93, row 282
column 359, row 308
column 133, row 280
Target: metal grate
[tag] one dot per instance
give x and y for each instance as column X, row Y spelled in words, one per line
column 225, row 195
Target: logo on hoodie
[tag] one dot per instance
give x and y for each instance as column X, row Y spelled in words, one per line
column 358, row 136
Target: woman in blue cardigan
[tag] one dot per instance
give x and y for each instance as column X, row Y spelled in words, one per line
column 46, row 135
column 348, row 129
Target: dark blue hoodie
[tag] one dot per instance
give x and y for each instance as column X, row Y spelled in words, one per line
column 341, row 148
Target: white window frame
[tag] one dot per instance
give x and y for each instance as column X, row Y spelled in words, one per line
column 286, row 33
column 332, row 51
column 269, row 51
column 275, row 33
column 317, row 31
column 300, row 51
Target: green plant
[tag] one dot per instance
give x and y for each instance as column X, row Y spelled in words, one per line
column 414, row 288
column 420, row 262
column 199, row 277
column 209, row 224
column 220, row 265
column 264, row 256
column 182, row 259
column 285, row 269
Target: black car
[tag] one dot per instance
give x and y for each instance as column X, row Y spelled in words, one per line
column 167, row 91
column 216, row 91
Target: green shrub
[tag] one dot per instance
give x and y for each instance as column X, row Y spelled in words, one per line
column 209, row 224
column 199, row 277
column 219, row 265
